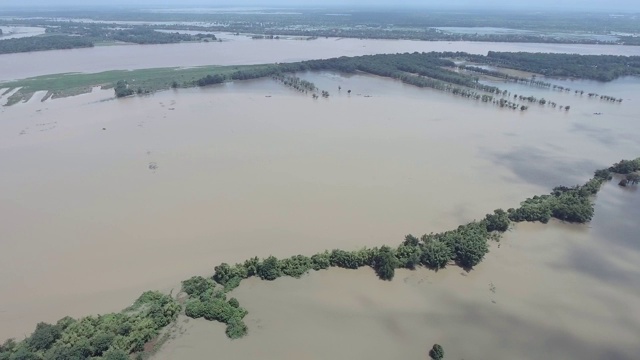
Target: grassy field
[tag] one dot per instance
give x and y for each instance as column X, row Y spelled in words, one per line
column 147, row 80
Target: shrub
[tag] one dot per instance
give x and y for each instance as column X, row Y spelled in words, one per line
column 116, row 354
column 222, row 274
column 385, row 263
column 408, row 256
column 194, row 308
column 321, row 261
column 44, row 336
column 295, row 266
column 269, row 269
column 498, row 221
column 436, row 255
column 197, row 285
column 234, row 302
column 101, row 342
column 436, row 352
column 236, row 329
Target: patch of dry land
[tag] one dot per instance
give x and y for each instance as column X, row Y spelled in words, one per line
column 552, row 291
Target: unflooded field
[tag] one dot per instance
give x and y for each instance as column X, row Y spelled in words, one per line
column 552, row 291
column 103, row 199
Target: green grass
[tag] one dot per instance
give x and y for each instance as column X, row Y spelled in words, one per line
column 149, row 80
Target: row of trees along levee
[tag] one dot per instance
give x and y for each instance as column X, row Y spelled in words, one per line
column 437, row 70
column 118, row 336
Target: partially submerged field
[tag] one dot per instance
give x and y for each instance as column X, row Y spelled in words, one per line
column 151, row 80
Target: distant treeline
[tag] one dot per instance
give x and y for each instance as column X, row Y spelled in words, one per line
column 139, row 34
column 70, row 35
column 543, row 27
column 594, row 67
column 39, row 43
column 414, row 19
column 117, row 336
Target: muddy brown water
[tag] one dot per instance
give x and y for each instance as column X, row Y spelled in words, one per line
column 102, row 199
column 552, row 291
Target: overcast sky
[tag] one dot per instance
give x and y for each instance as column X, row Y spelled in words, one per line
column 578, row 5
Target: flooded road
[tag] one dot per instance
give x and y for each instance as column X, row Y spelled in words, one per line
column 241, row 50
column 102, row 199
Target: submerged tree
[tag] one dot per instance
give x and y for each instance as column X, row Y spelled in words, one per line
column 384, row 263
column 436, row 352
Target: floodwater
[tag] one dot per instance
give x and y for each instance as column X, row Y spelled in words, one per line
column 553, row 291
column 481, row 30
column 102, row 199
column 15, row 32
column 239, row 50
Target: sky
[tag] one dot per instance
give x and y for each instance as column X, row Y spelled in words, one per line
column 578, row 5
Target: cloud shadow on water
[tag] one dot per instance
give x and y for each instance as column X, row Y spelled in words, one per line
column 542, row 168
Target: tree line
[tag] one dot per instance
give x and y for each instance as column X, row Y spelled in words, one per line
column 436, row 70
column 593, row 67
column 465, row 246
column 39, row 43
column 81, row 35
column 431, row 70
column 112, row 336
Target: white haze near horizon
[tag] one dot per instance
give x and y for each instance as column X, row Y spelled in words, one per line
column 577, row 5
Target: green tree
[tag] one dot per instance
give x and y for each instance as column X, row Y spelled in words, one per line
column 122, row 89
column 115, row 354
column 197, row 285
column 236, row 328
column 269, row 269
column 408, row 256
column 44, row 336
column 436, row 352
column 234, row 302
column 385, row 263
column 498, row 221
column 321, row 261
column 411, row 240
column 24, row 354
column 436, row 254
column 101, row 342
column 194, row 308
column 295, row 266
column 470, row 250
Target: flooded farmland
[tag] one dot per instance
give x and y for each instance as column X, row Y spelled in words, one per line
column 103, row 198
